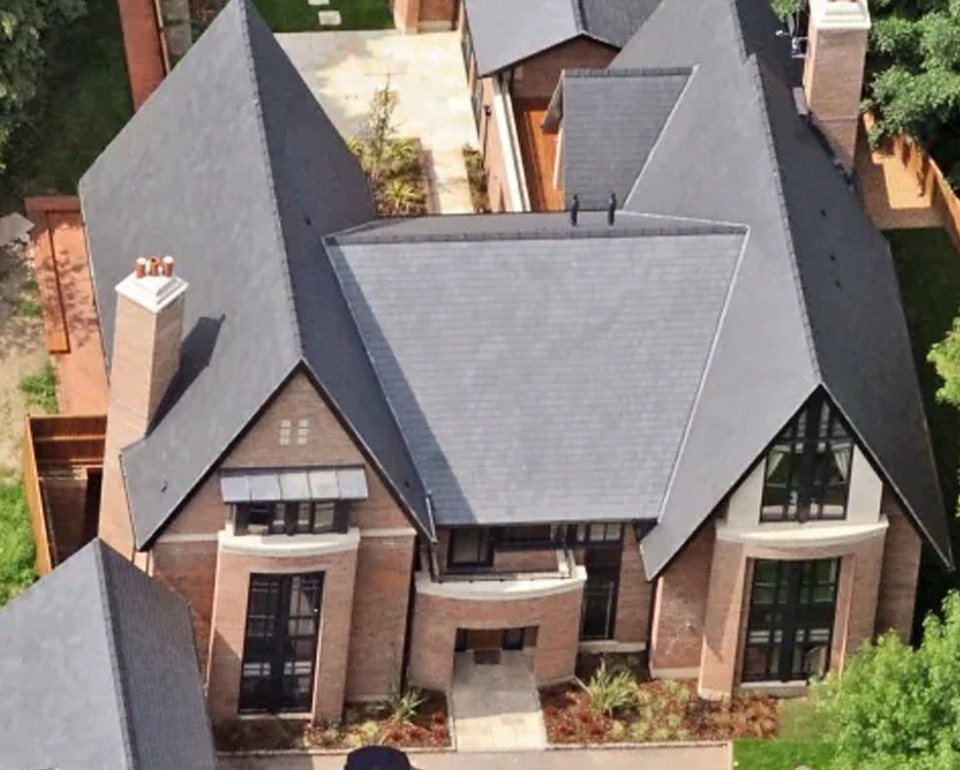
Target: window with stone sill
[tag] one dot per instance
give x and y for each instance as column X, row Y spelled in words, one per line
column 305, row 517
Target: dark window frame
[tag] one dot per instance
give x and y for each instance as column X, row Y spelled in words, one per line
column 795, row 608
column 275, row 644
column 804, row 492
column 484, row 549
column 291, row 521
column 524, row 537
column 588, row 540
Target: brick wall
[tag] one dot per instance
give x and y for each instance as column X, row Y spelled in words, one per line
column 635, row 596
column 723, row 621
column 857, row 599
column 534, row 560
column 229, row 622
column 680, row 605
column 491, row 146
column 66, row 503
column 898, row 578
column 190, row 569
column 406, row 14
column 438, row 10
column 537, row 77
column 437, row 618
column 379, row 616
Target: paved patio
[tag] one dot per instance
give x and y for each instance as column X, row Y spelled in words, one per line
column 344, row 69
column 685, row 757
column 496, row 707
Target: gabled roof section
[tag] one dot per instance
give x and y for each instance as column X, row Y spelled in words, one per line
column 505, row 32
column 604, row 156
column 734, row 150
column 100, row 671
column 542, row 372
column 233, row 168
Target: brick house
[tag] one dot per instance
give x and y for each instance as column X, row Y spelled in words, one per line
column 687, row 426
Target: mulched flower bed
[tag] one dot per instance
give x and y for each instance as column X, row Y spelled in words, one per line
column 363, row 724
column 665, row 711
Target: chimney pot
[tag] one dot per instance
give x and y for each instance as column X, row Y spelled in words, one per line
column 167, row 266
column 140, row 267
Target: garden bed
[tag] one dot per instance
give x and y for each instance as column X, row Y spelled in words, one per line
column 661, row 711
column 363, row 724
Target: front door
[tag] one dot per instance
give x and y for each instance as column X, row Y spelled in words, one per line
column 280, row 645
column 791, row 618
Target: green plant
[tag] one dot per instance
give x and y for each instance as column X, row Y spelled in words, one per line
column 642, row 730
column 17, row 553
column 618, row 731
column 401, row 197
column 41, row 389
column 378, row 130
column 28, row 307
column 477, row 179
column 403, row 706
column 610, row 690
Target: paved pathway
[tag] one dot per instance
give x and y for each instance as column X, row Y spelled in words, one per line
column 496, row 707
column 679, row 758
column 344, row 69
column 66, row 299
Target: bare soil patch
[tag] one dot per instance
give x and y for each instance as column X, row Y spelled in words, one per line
column 22, row 351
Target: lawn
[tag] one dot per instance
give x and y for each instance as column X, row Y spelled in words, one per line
column 928, row 268
column 799, row 742
column 16, row 540
column 85, row 104
column 300, row 16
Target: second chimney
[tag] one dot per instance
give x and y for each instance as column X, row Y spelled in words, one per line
column 833, row 71
column 148, row 330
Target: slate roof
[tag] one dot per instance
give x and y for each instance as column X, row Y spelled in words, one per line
column 539, row 374
column 234, row 168
column 505, row 32
column 606, row 156
column 815, row 303
column 100, row 672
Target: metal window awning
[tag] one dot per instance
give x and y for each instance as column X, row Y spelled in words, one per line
column 249, row 485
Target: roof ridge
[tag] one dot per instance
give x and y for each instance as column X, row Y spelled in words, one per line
column 115, row 654
column 579, row 17
column 753, row 67
column 582, row 231
column 268, row 163
column 626, row 72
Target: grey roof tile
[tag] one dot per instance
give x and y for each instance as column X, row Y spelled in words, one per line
column 100, row 672
column 542, row 377
column 505, row 32
column 233, row 168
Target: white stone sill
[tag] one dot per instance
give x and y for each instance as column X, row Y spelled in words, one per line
column 501, row 590
column 802, row 535
column 287, row 545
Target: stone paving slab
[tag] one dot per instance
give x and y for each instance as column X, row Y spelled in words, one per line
column 345, row 68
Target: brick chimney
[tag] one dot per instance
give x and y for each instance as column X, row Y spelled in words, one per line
column 148, row 329
column 833, row 71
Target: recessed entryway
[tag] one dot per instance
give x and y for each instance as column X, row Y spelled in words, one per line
column 496, row 707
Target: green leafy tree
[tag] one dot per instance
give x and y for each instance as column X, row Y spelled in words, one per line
column 945, row 357
column 27, row 28
column 897, row 707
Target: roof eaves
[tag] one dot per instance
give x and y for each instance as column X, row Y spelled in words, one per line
column 116, row 656
column 946, row 556
column 147, row 540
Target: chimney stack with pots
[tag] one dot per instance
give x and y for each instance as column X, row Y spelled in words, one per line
column 147, row 334
column 833, row 71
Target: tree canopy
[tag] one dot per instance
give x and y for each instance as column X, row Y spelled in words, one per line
column 26, row 29
column 898, row 708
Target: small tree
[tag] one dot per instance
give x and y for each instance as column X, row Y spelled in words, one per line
column 378, row 131
column 945, row 357
column 896, row 707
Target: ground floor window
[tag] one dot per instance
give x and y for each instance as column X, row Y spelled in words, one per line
column 791, row 619
column 280, row 644
column 599, row 612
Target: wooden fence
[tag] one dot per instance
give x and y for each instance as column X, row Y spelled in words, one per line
column 930, row 180
column 54, row 443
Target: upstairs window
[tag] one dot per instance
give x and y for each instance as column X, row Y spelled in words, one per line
column 526, row 537
column 807, row 471
column 291, row 518
column 604, row 533
column 470, row 548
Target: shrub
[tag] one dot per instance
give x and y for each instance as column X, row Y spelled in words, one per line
column 610, row 691
column 403, row 706
column 41, row 389
column 17, row 554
